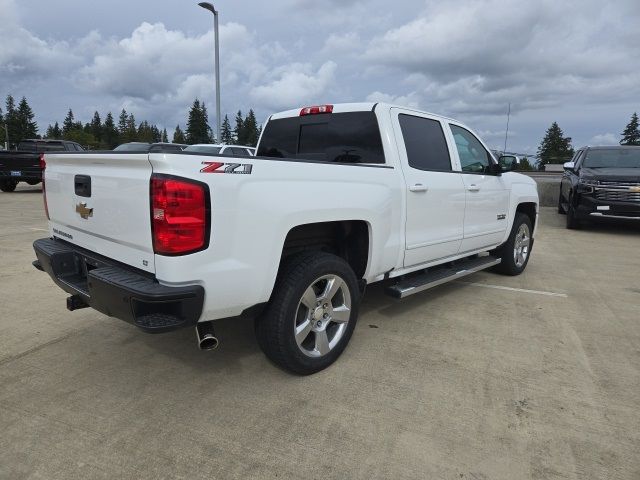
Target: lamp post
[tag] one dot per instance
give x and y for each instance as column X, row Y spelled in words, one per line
column 211, row 8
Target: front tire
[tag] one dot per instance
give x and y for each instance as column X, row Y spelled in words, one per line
column 573, row 220
column 8, row 185
column 312, row 313
column 561, row 209
column 516, row 251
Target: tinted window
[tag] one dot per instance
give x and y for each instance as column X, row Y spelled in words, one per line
column 474, row 158
column 612, row 158
column 50, row 147
column 27, row 146
column 133, row 147
column 352, row 137
column 425, row 143
column 210, row 149
column 239, row 152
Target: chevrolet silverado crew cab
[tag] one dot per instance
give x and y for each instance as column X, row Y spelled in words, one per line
column 601, row 182
column 338, row 197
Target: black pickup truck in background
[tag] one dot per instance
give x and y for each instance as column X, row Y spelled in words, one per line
column 23, row 164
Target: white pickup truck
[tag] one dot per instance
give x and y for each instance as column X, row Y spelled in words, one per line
column 338, row 197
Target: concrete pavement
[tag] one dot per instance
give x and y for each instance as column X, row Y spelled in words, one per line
column 462, row 382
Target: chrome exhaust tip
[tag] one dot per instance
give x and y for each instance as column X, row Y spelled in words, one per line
column 207, row 339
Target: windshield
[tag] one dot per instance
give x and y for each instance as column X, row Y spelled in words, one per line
column 133, row 147
column 210, row 149
column 614, row 158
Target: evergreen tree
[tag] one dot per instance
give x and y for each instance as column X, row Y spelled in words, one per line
column 110, row 136
column 28, row 127
column 122, row 125
column 631, row 134
column 2, row 139
column 11, row 121
column 250, row 127
column 96, row 127
column 555, row 147
column 165, row 137
column 239, row 130
column 198, row 130
column 53, row 132
column 155, row 134
column 68, row 124
column 132, row 131
column 226, row 134
column 178, row 135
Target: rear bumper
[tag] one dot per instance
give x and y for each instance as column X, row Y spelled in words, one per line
column 118, row 290
column 23, row 175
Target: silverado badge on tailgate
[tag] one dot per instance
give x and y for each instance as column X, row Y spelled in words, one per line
column 84, row 212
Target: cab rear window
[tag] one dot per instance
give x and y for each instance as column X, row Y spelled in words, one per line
column 351, row 137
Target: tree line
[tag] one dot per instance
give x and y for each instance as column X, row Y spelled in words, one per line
column 556, row 148
column 109, row 133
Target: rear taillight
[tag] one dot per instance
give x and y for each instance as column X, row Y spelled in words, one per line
column 316, row 110
column 179, row 215
column 43, row 167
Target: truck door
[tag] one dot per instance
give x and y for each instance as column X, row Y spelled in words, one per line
column 435, row 193
column 487, row 196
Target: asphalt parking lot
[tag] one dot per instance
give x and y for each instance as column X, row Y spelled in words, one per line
column 467, row 381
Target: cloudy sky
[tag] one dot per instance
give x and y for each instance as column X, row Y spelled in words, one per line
column 576, row 62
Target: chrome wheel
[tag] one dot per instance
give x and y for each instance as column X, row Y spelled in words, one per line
column 521, row 245
column 322, row 315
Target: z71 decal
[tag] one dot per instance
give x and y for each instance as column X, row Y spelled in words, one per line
column 219, row 167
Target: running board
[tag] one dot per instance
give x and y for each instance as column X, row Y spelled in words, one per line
column 438, row 275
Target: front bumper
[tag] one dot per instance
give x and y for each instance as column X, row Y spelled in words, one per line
column 589, row 206
column 118, row 290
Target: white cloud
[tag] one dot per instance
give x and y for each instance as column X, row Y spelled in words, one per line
column 411, row 100
column 604, row 139
column 295, row 85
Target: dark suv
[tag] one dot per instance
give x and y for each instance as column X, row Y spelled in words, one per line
column 601, row 182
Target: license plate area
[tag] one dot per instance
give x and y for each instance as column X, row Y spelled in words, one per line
column 16, row 173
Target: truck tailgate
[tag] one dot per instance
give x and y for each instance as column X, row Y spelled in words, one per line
column 101, row 202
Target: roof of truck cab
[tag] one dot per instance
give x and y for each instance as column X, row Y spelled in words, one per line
column 356, row 107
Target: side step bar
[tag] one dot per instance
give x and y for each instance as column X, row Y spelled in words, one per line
column 438, row 275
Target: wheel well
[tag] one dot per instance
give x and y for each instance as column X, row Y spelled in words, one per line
column 529, row 209
column 348, row 239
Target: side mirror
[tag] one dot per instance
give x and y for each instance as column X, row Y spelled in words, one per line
column 508, row 163
column 569, row 166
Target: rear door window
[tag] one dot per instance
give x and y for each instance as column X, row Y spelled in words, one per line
column 351, row 137
column 425, row 143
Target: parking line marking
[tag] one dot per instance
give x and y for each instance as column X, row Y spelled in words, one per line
column 38, row 229
column 511, row 289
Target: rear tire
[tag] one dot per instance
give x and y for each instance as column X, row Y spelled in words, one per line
column 8, row 185
column 516, row 251
column 312, row 313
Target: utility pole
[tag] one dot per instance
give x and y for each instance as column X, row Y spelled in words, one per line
column 506, row 133
column 211, row 8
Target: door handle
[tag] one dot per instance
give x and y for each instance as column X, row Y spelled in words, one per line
column 473, row 188
column 418, row 187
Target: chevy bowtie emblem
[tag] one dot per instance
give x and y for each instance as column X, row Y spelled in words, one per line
column 84, row 212
column 635, row 189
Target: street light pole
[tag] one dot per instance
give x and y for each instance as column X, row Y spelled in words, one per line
column 211, row 8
